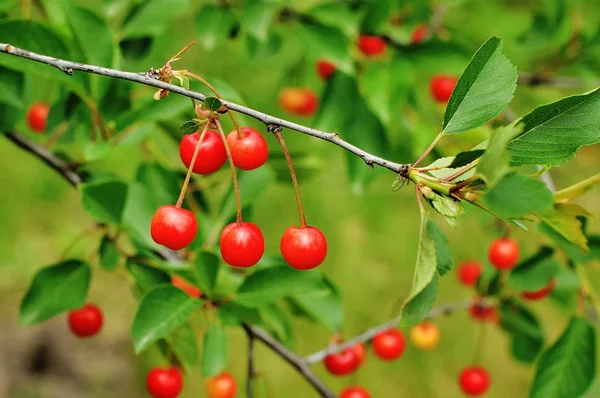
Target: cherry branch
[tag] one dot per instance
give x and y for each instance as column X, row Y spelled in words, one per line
column 251, row 369
column 71, row 176
column 150, row 78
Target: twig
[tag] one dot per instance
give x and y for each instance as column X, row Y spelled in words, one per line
column 150, row 79
column 251, row 371
column 536, row 79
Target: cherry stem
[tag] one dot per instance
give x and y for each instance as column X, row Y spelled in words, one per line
column 186, row 182
column 462, row 171
column 236, row 187
column 214, row 90
column 424, row 155
column 288, row 158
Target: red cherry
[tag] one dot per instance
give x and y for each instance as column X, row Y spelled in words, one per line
column 242, row 245
column 389, row 344
column 540, row 294
column 441, row 87
column 371, row 46
column 250, row 151
column 325, row 69
column 173, row 227
column 211, row 157
column 86, row 321
column 474, row 380
column 303, row 247
column 299, row 101
column 503, row 253
column 37, row 117
column 182, row 284
column 361, row 353
column 469, row 272
column 164, row 383
column 419, row 34
column 221, row 386
column 482, row 313
column 342, row 363
column 354, row 392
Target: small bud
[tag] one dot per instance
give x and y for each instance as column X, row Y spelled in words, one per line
column 202, row 113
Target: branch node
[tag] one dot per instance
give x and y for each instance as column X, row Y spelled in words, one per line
column 404, row 169
column 152, row 74
column 68, row 71
column 274, row 128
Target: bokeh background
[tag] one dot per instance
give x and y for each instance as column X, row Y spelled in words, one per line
column 372, row 231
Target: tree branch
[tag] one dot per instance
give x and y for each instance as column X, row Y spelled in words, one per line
column 253, row 332
column 392, row 323
column 150, row 79
column 251, row 370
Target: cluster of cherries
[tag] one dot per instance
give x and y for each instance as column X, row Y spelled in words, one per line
column 242, row 243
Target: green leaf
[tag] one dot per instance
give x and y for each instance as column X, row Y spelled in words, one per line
column 213, row 104
column 564, row 219
column 267, row 285
column 183, row 343
column 252, row 186
column 11, row 87
column 326, row 309
column 535, row 272
column 277, row 323
column 483, row 91
column 258, row 15
column 213, row 24
column 330, row 43
column 516, row 195
column 575, row 253
column 338, row 15
column 164, row 184
column 214, row 353
column 568, row 367
column 447, row 207
column 420, row 305
column 232, row 314
column 189, row 127
column 161, row 310
column 147, row 277
column 104, row 201
column 526, row 332
column 108, row 254
column 553, row 133
column 55, row 289
column 494, row 163
column 154, row 17
column 465, row 158
column 206, row 268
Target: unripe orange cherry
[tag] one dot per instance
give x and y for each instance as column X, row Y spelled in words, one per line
column 425, row 336
column 298, row 101
column 221, row 386
column 182, row 284
column 37, row 117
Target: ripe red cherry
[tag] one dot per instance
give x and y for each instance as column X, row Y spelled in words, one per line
column 469, row 272
column 164, row 383
column 361, row 353
column 482, row 313
column 325, row 69
column 503, row 253
column 303, row 247
column 342, row 363
column 242, row 245
column 182, row 284
column 248, row 152
column 221, row 386
column 354, row 392
column 86, row 321
column 419, row 34
column 474, row 380
column 37, row 117
column 299, row 101
column 540, row 294
column 441, row 87
column 371, row 46
column 173, row 227
column 389, row 344
column 211, row 157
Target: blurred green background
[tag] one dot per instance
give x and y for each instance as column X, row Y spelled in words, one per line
column 372, row 235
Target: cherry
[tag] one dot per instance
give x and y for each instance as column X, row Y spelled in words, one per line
column 371, row 46
column 299, row 101
column 221, row 386
column 342, row 363
column 303, row 247
column 182, row 284
column 389, row 344
column 37, row 117
column 425, row 336
column 173, row 227
column 164, row 383
column 419, row 34
column 250, row 151
column 361, row 353
column 474, row 380
column 469, row 272
column 441, row 87
column 503, row 253
column 482, row 313
column 325, row 69
column 211, row 157
column 86, row 321
column 540, row 294
column 354, row 392
column 242, row 245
